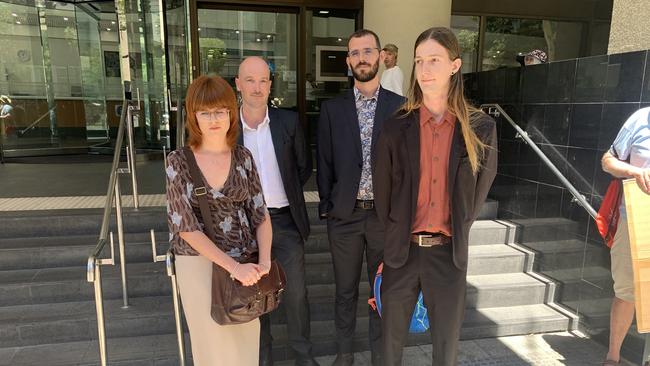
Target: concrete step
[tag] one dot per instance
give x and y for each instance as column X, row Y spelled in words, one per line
column 53, row 285
column 28, row 224
column 66, row 251
column 23, row 325
column 154, row 350
column 490, row 322
column 566, row 254
column 546, row 229
column 478, row 323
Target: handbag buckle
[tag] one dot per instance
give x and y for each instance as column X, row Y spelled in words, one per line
column 200, row 191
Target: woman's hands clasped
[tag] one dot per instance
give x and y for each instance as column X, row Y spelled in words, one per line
column 249, row 273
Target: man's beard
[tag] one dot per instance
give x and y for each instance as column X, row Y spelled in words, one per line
column 367, row 75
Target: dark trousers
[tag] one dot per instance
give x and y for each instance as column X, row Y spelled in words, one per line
column 348, row 240
column 288, row 248
column 432, row 271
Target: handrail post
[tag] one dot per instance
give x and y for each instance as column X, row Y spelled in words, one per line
column 120, row 241
column 171, row 272
column 171, row 268
column 130, row 151
column 99, row 306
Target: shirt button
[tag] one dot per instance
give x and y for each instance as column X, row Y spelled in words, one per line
column 432, row 204
column 435, row 181
column 435, row 159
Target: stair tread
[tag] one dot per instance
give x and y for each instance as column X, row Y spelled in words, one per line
column 493, row 250
column 502, row 280
column 87, row 352
column 157, row 305
column 59, row 274
column 74, row 241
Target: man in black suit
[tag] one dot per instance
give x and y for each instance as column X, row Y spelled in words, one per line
column 436, row 161
column 347, row 131
column 275, row 139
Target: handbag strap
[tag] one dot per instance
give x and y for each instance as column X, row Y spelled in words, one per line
column 201, row 191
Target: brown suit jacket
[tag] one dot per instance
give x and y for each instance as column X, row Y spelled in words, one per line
column 396, row 179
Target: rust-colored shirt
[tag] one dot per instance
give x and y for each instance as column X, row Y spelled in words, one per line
column 433, row 211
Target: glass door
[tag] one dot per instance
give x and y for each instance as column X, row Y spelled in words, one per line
column 225, row 37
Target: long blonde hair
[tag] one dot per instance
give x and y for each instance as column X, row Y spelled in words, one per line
column 456, row 102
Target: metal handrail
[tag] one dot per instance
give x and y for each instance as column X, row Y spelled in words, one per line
column 496, row 110
column 170, row 265
column 113, row 195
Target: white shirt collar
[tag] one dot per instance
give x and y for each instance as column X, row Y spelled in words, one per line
column 245, row 125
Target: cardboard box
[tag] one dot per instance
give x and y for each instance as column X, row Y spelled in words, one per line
column 637, row 205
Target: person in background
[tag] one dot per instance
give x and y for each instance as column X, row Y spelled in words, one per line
column 275, row 139
column 392, row 78
column 6, row 114
column 534, row 57
column 241, row 222
column 436, row 160
column 628, row 157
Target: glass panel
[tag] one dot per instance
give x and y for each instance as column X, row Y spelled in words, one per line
column 326, row 71
column 227, row 36
column 507, row 37
column 22, row 77
column 178, row 52
column 91, row 73
column 466, row 29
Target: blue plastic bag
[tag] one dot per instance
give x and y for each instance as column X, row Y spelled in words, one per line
column 419, row 320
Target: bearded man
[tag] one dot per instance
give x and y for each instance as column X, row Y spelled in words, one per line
column 347, row 130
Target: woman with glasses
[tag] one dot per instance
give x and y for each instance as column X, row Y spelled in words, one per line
column 241, row 223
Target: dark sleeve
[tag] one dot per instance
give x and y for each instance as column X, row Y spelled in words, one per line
column 180, row 215
column 325, row 173
column 489, row 166
column 303, row 156
column 255, row 205
column 381, row 176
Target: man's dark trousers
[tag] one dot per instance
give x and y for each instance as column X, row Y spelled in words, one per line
column 432, row 271
column 288, row 248
column 349, row 239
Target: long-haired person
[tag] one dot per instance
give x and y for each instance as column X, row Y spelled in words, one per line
column 437, row 159
column 239, row 214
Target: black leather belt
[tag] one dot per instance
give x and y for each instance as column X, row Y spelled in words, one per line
column 430, row 240
column 277, row 211
column 365, row 204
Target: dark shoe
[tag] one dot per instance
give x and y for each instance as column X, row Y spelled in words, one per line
column 377, row 360
column 344, row 359
column 610, row 363
column 306, row 361
column 266, row 359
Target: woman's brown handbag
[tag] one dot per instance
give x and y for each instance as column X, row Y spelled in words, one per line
column 232, row 302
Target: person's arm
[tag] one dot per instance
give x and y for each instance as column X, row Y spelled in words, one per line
column 382, row 177
column 620, row 169
column 399, row 80
column 488, row 170
column 258, row 215
column 325, row 173
column 264, row 235
column 302, row 153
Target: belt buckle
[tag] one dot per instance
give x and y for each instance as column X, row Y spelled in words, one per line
column 426, row 237
column 368, row 205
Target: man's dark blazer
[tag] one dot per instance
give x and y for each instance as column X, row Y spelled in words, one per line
column 339, row 149
column 293, row 159
column 396, row 179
